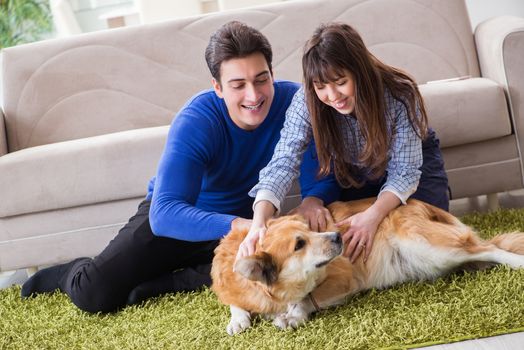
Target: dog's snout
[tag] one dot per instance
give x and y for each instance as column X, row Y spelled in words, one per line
column 336, row 238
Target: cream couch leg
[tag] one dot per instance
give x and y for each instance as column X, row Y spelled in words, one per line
column 493, row 201
column 31, row 270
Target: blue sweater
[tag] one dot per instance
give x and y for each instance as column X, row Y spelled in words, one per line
column 209, row 165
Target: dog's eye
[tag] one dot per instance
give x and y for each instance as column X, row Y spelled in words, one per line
column 300, row 244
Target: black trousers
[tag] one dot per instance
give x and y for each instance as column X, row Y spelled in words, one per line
column 433, row 185
column 134, row 256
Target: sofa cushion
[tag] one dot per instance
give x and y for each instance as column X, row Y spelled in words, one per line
column 466, row 111
column 79, row 172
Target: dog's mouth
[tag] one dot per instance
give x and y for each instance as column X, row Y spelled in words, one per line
column 336, row 252
column 324, row 263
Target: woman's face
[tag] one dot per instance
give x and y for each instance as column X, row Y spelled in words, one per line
column 339, row 93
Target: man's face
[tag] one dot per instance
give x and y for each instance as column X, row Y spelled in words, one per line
column 247, row 89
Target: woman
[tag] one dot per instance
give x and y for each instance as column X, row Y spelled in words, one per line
column 368, row 122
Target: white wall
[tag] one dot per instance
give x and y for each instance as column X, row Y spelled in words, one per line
column 480, row 10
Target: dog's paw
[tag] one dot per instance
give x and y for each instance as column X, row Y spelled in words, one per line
column 240, row 320
column 286, row 322
column 295, row 316
column 237, row 326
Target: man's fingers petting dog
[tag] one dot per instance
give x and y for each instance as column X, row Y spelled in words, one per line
column 317, row 223
column 322, row 222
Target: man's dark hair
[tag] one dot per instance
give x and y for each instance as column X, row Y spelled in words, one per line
column 235, row 40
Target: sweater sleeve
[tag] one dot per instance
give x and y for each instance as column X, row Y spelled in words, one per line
column 178, row 181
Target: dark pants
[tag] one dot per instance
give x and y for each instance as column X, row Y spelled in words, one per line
column 133, row 257
column 433, row 185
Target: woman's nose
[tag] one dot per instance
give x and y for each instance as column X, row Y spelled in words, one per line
column 332, row 94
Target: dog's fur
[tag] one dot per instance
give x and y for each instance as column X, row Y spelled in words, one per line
column 294, row 268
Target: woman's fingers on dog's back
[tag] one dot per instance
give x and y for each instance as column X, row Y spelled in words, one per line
column 261, row 235
column 353, row 241
column 369, row 246
column 345, row 223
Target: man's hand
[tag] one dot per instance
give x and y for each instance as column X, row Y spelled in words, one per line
column 313, row 210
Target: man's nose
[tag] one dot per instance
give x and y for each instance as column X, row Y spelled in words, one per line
column 251, row 93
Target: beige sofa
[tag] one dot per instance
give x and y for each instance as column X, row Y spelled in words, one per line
column 85, row 118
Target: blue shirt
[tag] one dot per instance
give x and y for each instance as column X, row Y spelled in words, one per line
column 209, row 165
column 404, row 155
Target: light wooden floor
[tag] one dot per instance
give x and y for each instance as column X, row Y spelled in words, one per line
column 513, row 341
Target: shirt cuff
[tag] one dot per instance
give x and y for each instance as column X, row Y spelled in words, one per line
column 403, row 196
column 266, row 195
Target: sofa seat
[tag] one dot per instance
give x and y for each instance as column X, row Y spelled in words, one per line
column 466, row 111
column 80, row 172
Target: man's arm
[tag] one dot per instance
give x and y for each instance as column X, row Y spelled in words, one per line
column 178, row 182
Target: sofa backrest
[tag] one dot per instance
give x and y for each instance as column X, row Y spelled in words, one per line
column 137, row 77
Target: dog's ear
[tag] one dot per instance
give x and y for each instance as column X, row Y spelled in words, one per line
column 258, row 267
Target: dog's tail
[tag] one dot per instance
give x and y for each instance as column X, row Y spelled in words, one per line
column 511, row 242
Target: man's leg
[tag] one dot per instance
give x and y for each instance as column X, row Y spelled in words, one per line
column 184, row 280
column 134, row 256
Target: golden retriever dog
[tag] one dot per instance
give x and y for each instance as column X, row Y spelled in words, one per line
column 295, row 272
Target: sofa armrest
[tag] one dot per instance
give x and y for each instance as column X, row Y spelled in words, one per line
column 3, row 135
column 500, row 44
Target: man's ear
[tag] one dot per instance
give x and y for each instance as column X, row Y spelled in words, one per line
column 258, row 267
column 218, row 87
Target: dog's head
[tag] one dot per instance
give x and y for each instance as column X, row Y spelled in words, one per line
column 290, row 253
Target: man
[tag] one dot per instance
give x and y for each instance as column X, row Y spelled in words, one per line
column 216, row 146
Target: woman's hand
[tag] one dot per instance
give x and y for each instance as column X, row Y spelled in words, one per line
column 364, row 225
column 361, row 233
column 313, row 210
column 262, row 212
column 248, row 245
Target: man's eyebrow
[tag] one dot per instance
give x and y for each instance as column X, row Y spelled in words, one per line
column 242, row 79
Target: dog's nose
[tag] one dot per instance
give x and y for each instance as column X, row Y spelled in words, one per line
column 336, row 238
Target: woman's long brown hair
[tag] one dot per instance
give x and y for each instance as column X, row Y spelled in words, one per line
column 333, row 50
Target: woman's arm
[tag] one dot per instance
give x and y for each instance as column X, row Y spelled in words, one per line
column 276, row 178
column 264, row 210
column 403, row 175
column 405, row 156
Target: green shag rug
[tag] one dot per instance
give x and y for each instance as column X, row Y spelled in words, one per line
column 457, row 307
